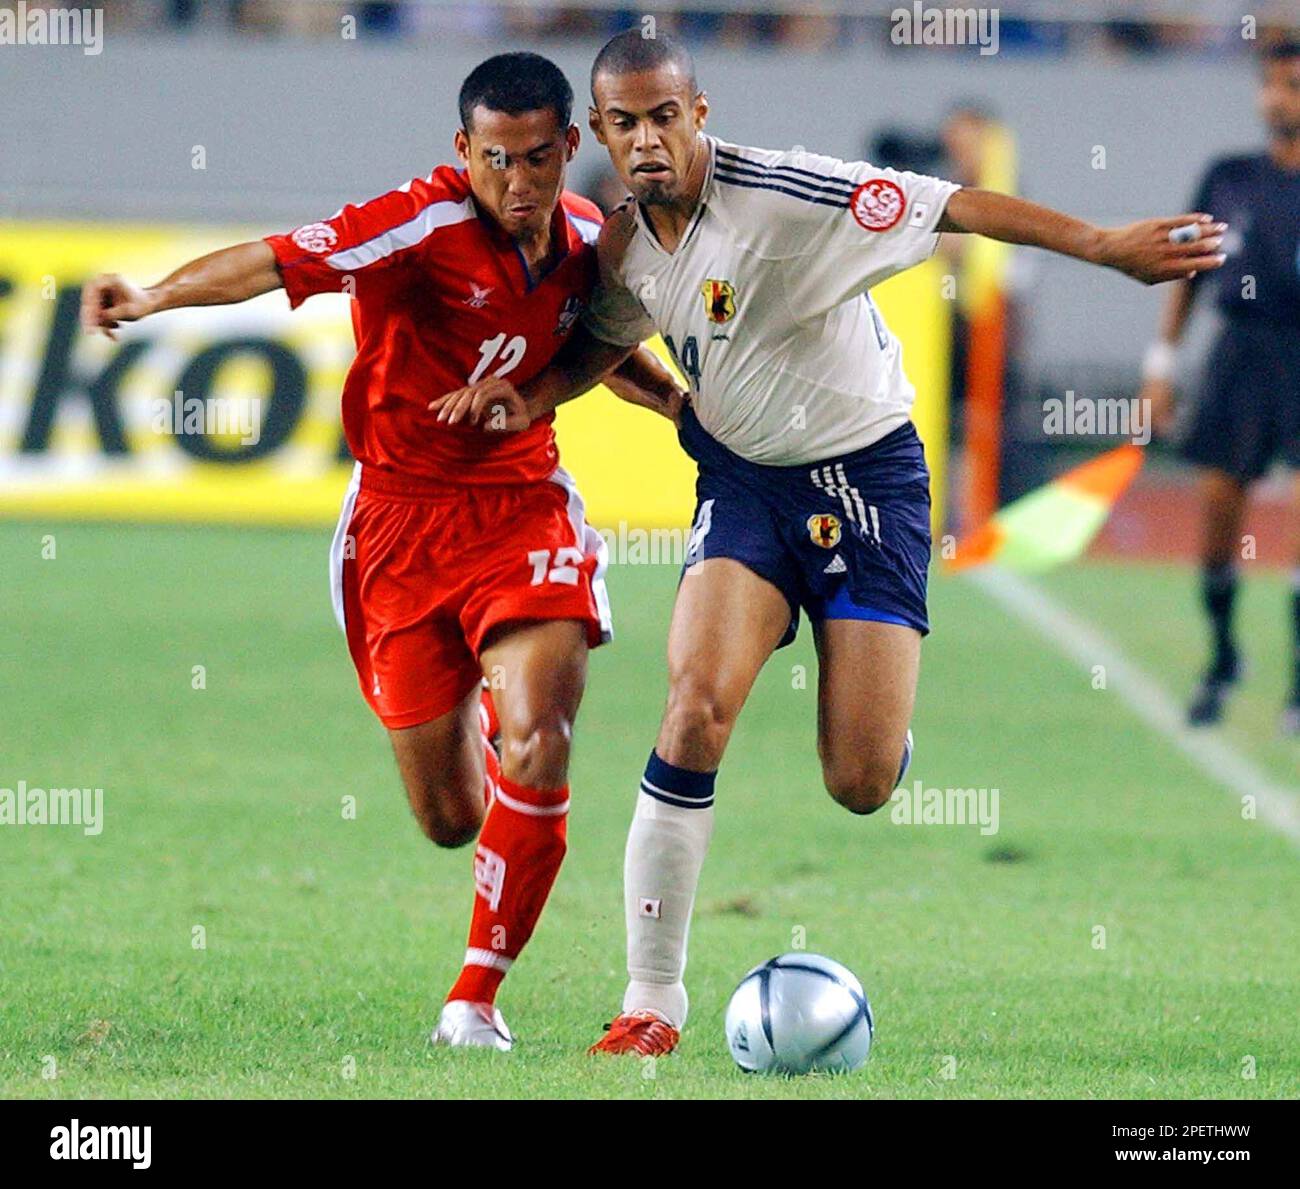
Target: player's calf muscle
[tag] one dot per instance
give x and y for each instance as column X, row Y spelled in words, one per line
column 441, row 766
column 449, row 828
column 449, row 814
column 449, row 817
column 861, row 761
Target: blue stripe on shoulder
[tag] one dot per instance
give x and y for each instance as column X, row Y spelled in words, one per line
column 826, row 188
column 735, row 159
column 840, row 203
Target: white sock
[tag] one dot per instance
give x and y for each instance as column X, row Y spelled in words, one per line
column 666, row 846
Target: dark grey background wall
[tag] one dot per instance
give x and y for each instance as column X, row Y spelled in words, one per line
column 291, row 130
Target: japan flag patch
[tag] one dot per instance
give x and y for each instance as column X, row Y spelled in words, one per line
column 877, row 204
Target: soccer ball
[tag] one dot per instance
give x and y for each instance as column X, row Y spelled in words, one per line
column 799, row 1013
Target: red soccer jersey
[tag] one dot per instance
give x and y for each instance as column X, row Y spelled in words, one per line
column 442, row 298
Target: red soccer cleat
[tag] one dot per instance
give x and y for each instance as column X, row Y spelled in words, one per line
column 643, row 1033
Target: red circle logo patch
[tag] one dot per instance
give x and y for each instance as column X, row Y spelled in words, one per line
column 315, row 237
column 877, row 204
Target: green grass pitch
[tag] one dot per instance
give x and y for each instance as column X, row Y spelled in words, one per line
column 329, row 942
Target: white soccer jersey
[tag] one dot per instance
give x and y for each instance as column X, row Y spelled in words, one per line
column 765, row 301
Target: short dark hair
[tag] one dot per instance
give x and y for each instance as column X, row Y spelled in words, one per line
column 630, row 52
column 516, row 83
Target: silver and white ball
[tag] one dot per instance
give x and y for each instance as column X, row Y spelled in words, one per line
column 799, row 1013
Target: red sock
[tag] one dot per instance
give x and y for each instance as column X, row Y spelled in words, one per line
column 515, row 863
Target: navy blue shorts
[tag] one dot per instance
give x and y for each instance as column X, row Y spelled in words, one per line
column 845, row 538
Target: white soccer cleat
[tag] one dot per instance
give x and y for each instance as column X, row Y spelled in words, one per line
column 472, row 1025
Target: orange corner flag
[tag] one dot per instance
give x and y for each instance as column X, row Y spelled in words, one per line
column 1055, row 523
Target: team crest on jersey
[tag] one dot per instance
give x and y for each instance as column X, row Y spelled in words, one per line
column 315, row 237
column 824, row 530
column 719, row 300
column 877, row 204
column 569, row 314
column 478, row 296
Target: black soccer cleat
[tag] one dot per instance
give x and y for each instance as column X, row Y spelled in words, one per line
column 1208, row 702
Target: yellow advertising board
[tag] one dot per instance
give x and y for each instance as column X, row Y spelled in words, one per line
column 94, row 429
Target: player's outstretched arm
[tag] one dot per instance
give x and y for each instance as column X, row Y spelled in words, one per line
column 1144, row 250
column 219, row 278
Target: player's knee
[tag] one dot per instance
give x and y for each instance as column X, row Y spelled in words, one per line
column 859, row 785
column 452, row 830
column 448, row 822
column 697, row 721
column 537, row 754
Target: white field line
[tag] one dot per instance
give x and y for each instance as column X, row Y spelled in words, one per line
column 1275, row 804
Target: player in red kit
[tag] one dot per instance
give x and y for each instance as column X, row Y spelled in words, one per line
column 459, row 555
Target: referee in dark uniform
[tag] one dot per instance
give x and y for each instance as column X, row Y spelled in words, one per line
column 1249, row 412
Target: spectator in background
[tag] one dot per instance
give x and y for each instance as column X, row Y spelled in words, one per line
column 738, row 30
column 1124, row 38
column 383, row 19
column 808, row 32
column 902, row 148
column 466, row 21
column 182, row 13
column 295, row 17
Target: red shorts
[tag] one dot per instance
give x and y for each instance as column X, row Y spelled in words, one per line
column 421, row 572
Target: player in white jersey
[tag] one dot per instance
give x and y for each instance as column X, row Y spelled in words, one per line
column 812, row 493
column 788, row 360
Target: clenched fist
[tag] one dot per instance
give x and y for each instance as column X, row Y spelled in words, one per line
column 109, row 300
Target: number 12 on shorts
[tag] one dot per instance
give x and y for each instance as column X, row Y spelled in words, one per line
column 564, row 570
